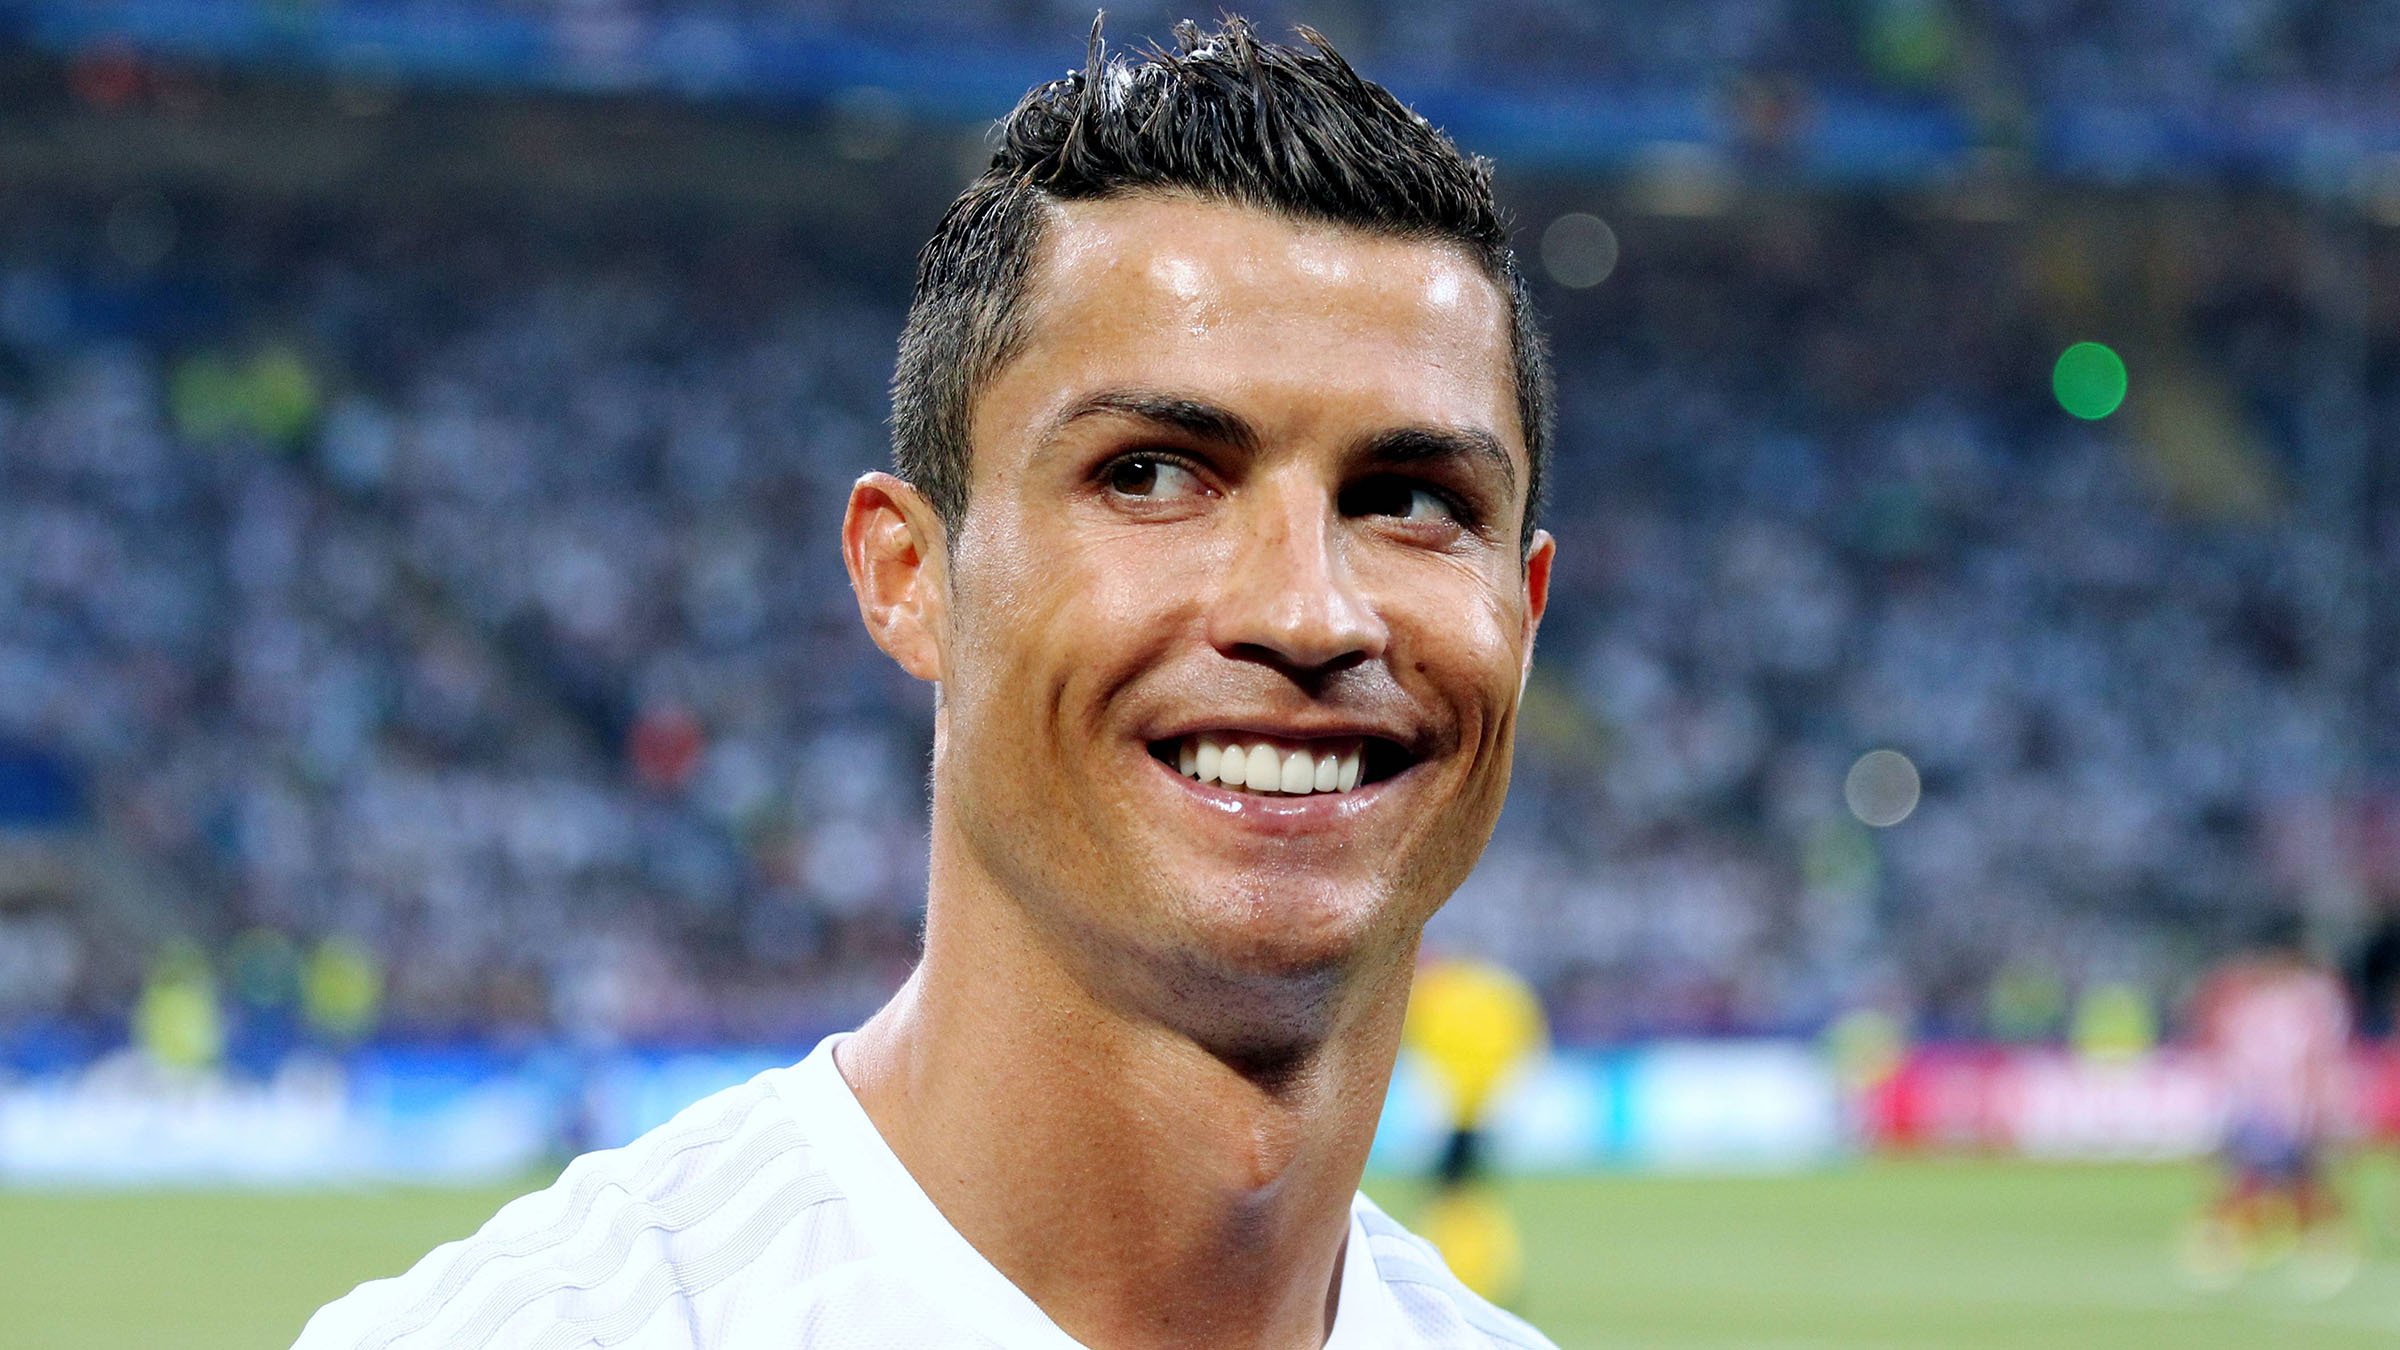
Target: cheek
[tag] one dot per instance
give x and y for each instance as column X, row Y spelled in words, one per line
column 1053, row 626
column 1468, row 649
column 1126, row 591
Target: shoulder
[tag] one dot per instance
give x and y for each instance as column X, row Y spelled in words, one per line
column 662, row 1230
column 1439, row 1309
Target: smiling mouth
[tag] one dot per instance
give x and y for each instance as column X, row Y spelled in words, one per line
column 1274, row 767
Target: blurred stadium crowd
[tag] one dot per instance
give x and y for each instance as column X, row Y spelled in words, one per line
column 2327, row 53
column 2237, row 64
column 427, row 621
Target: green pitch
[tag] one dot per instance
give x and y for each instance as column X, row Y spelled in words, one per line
column 1956, row 1255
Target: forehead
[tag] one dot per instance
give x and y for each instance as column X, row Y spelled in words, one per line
column 1306, row 321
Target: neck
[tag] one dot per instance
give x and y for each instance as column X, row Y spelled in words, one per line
column 1142, row 1183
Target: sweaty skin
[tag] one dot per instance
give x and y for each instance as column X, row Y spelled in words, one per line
column 1244, row 475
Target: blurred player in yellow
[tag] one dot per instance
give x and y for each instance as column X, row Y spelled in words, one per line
column 1476, row 1026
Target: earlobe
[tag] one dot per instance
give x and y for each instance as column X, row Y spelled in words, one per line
column 896, row 552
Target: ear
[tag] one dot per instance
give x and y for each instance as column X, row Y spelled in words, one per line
column 1538, row 560
column 898, row 556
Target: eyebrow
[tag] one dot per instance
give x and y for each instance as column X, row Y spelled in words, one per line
column 1191, row 416
column 1422, row 444
column 1397, row 447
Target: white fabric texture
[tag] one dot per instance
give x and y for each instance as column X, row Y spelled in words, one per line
column 772, row 1214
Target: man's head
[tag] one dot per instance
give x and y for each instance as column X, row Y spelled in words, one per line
column 1216, row 472
column 1224, row 117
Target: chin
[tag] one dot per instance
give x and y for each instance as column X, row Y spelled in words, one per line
column 1263, row 984
column 1292, row 928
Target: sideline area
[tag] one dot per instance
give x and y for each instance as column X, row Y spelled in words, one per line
column 1968, row 1255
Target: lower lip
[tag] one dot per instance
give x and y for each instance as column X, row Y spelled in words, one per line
column 1274, row 814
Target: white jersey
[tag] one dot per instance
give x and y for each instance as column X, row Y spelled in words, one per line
column 773, row 1214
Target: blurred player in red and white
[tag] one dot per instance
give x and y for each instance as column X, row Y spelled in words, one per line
column 2276, row 1026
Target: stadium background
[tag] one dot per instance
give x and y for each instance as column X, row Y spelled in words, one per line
column 435, row 734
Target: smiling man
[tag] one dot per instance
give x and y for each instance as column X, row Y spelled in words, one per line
column 1219, row 421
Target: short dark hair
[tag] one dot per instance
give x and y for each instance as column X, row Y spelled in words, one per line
column 1223, row 116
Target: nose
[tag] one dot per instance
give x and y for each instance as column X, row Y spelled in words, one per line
column 1288, row 595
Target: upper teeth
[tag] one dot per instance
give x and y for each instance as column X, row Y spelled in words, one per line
column 1262, row 766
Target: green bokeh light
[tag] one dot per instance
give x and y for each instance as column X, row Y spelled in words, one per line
column 2089, row 380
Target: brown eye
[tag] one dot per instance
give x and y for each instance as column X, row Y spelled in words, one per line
column 1133, row 477
column 1400, row 498
column 1150, row 478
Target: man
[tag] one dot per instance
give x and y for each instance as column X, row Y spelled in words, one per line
column 1475, row 1025
column 1219, row 417
column 2276, row 1029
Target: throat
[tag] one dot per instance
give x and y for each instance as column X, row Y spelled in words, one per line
column 1145, row 1180
column 1279, row 1070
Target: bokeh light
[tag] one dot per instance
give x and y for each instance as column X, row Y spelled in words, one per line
column 2089, row 380
column 1579, row 250
column 1882, row 788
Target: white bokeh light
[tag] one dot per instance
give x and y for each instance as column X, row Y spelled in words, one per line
column 1882, row 788
column 1579, row 250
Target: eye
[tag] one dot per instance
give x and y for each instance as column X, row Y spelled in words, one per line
column 1402, row 499
column 1151, row 478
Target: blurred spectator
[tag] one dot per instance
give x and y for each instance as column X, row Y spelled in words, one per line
column 443, row 613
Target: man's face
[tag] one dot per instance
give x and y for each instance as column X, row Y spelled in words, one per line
column 1251, row 493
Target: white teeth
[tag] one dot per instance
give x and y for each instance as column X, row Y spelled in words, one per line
column 1299, row 773
column 1263, row 767
column 1265, row 770
column 1233, row 768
